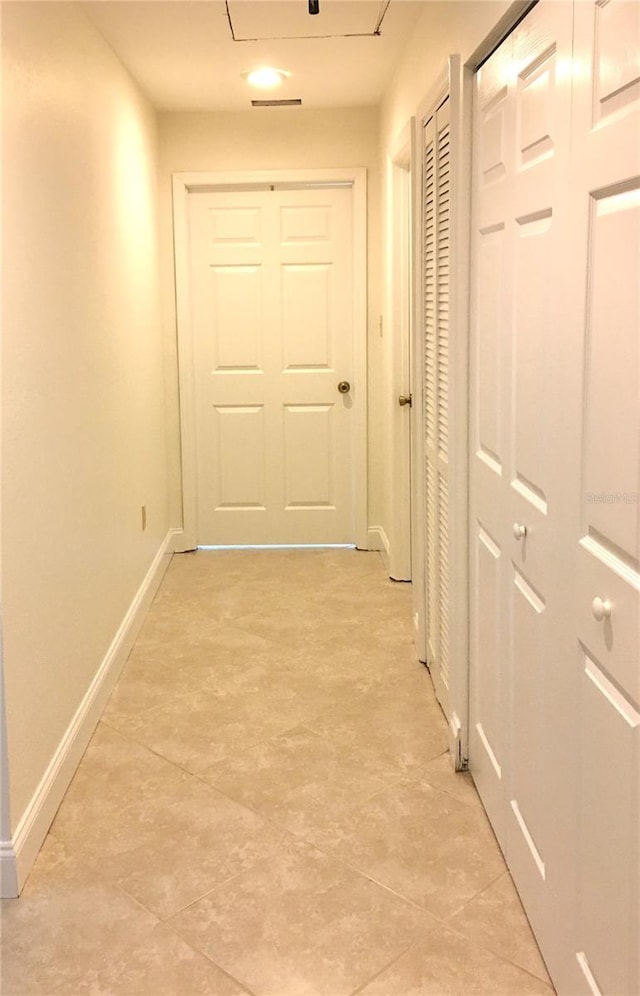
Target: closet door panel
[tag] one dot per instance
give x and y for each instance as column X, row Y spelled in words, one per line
column 606, row 599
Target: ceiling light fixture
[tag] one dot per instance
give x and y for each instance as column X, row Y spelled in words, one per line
column 265, row 78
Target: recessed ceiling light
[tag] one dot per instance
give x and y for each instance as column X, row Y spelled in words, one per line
column 266, row 77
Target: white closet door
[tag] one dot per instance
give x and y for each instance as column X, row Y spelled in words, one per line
column 522, row 122
column 521, row 680
column 555, row 698
column 436, row 249
column 606, row 201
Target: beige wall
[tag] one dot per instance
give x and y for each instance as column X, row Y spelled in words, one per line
column 278, row 138
column 446, row 28
column 83, row 427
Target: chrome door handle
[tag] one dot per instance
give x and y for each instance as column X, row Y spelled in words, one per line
column 344, row 387
column 404, row 399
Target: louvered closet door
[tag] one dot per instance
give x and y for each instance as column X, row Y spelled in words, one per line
column 436, row 231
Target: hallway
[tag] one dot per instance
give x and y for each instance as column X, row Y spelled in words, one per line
column 267, row 808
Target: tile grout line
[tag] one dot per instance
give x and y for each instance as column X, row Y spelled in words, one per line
column 506, row 961
column 463, row 933
column 377, row 975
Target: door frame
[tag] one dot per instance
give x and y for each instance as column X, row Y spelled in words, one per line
column 185, row 184
column 400, row 165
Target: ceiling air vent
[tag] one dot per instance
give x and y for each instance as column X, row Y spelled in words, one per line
column 277, row 103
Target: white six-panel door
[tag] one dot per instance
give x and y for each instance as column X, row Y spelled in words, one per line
column 522, row 119
column 273, row 336
column 555, row 446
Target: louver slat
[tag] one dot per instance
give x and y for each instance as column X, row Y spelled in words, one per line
column 442, row 269
column 430, row 293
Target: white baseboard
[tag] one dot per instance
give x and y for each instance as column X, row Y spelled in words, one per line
column 378, row 540
column 18, row 855
column 8, row 870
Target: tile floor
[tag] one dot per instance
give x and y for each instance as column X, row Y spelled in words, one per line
column 268, row 808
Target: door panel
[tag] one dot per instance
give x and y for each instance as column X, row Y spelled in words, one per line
column 234, row 298
column 306, row 316
column 237, row 452
column 613, row 370
column 489, row 349
column 273, row 334
column 609, row 850
column 614, row 43
column 308, row 446
column 606, row 199
column 489, row 432
column 528, row 684
column 488, row 690
column 522, row 125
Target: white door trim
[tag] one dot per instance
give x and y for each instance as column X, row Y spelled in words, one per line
column 460, row 96
column 399, row 180
column 183, row 185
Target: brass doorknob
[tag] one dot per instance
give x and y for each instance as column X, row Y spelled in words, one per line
column 344, row 387
column 404, row 399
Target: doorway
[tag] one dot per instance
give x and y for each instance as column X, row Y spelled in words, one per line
column 272, row 353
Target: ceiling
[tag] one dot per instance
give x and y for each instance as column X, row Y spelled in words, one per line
column 184, row 56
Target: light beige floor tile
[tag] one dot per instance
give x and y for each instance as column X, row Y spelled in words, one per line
column 204, row 667
column 422, row 843
column 358, row 657
column 206, row 642
column 71, row 932
column 440, row 774
column 161, row 633
column 113, row 774
column 293, row 629
column 204, row 841
column 301, row 924
column 448, row 965
column 232, row 704
column 200, row 729
column 303, row 781
column 495, row 919
column 407, row 723
column 171, row 848
column 157, row 964
column 144, row 686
